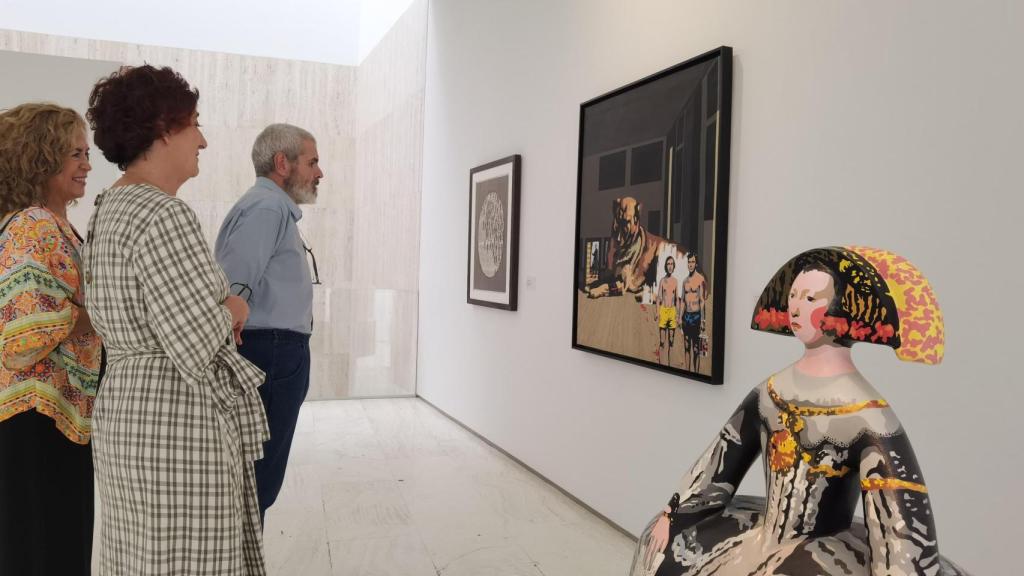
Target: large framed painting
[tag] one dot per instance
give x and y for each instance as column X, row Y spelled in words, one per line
column 493, row 267
column 652, row 201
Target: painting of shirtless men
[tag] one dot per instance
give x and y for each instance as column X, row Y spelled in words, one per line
column 649, row 283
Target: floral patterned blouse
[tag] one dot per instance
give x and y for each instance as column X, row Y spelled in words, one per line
column 41, row 368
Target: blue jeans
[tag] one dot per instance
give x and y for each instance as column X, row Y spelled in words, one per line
column 284, row 356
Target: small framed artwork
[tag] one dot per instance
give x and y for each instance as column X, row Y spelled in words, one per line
column 493, row 266
column 652, row 201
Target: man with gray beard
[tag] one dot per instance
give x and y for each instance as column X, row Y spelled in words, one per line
column 264, row 257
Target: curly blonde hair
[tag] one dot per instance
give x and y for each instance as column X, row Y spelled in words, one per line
column 35, row 140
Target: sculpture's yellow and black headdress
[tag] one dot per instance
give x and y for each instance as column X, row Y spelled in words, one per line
column 881, row 298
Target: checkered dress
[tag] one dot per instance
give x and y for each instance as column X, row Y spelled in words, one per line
column 178, row 420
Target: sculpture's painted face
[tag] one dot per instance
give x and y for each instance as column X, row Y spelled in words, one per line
column 809, row 298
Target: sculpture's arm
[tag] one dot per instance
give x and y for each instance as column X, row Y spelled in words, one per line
column 897, row 510
column 709, row 485
column 711, row 482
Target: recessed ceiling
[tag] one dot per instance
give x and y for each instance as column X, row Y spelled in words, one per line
column 333, row 31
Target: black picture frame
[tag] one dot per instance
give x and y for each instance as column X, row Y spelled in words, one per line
column 653, row 181
column 492, row 267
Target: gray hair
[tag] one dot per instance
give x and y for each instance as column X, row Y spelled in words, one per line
column 277, row 138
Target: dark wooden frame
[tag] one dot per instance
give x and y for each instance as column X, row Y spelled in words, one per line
column 513, row 235
column 724, row 54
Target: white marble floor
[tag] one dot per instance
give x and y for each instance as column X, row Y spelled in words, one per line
column 382, row 487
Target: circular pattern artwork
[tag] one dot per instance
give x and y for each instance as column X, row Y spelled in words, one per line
column 490, row 235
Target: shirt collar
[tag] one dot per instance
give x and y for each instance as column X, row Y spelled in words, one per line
column 269, row 184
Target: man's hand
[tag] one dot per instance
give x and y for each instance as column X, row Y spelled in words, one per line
column 239, row 314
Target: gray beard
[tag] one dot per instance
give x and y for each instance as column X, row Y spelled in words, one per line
column 301, row 195
column 307, row 196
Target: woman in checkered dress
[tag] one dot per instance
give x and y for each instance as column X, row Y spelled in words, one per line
column 178, row 421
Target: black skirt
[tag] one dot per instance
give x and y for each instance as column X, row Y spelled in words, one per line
column 46, row 499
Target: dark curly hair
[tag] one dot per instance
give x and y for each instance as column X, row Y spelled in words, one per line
column 134, row 106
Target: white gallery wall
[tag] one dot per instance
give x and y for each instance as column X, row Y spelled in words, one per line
column 893, row 124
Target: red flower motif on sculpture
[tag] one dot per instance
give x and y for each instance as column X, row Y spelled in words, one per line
column 781, row 319
column 859, row 331
column 836, row 325
column 883, row 332
column 771, row 319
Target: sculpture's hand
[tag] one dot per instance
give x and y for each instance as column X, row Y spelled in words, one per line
column 656, row 542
